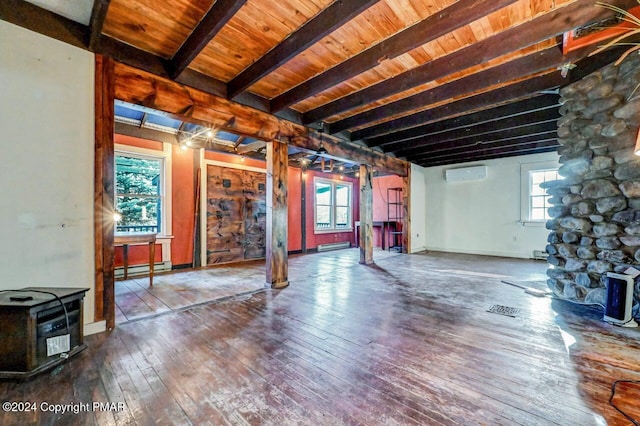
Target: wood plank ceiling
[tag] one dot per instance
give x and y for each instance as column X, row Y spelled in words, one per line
column 433, row 81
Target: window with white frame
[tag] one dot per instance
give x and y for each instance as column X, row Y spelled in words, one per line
column 332, row 205
column 535, row 200
column 140, row 192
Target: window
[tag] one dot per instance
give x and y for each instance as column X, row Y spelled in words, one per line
column 332, row 205
column 140, row 192
column 535, row 201
column 539, row 200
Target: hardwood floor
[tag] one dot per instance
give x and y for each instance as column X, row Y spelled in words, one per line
column 406, row 341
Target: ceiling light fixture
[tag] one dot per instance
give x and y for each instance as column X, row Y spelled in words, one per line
column 321, row 149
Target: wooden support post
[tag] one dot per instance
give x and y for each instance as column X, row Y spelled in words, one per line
column 103, row 191
column 406, row 214
column 366, row 214
column 277, row 238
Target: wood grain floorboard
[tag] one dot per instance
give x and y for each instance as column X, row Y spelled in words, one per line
column 406, row 341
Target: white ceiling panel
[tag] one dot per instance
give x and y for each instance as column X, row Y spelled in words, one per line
column 76, row 10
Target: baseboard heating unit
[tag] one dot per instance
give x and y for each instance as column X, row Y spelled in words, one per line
column 333, row 246
column 619, row 300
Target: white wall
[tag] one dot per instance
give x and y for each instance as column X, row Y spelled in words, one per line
column 418, row 205
column 482, row 216
column 47, row 151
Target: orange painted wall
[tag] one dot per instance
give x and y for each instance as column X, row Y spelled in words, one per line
column 183, row 202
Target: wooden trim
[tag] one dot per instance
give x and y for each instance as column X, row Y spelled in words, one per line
column 277, row 275
column 556, row 22
column 216, row 18
column 366, row 215
column 143, row 88
column 570, row 42
column 438, row 24
column 327, row 21
column 104, row 191
column 529, row 65
column 98, row 16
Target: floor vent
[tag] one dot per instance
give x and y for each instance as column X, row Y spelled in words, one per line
column 333, row 246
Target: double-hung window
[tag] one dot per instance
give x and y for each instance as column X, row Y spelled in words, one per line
column 535, row 200
column 333, row 205
column 140, row 192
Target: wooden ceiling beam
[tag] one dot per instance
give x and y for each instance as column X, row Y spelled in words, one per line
column 519, row 68
column 507, row 111
column 516, row 91
column 438, row 24
column 218, row 15
column 536, row 148
column 143, row 88
column 327, row 21
column 519, row 37
column 464, row 147
column 98, row 15
column 479, row 130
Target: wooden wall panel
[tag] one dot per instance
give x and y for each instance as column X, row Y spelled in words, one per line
column 236, row 208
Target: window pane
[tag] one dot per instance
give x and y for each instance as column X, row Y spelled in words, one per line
column 537, row 202
column 537, row 214
column 138, row 193
column 323, row 193
column 137, row 175
column 550, row 175
column 537, row 178
column 342, row 217
column 139, row 214
column 323, row 217
column 342, row 195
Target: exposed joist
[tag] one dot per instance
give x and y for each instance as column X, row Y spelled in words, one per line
column 542, row 28
column 98, row 15
column 536, row 148
column 520, row 90
column 220, row 13
column 450, row 149
column 449, row 19
column 142, row 88
column 327, row 21
column 550, row 58
column 480, row 130
column 510, row 110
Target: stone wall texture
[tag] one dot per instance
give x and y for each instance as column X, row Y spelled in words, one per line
column 595, row 225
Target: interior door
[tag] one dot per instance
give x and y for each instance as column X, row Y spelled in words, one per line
column 236, row 214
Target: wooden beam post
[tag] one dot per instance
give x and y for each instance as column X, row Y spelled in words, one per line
column 103, row 191
column 406, row 214
column 277, row 250
column 366, row 214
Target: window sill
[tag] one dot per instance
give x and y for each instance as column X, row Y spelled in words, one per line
column 534, row 223
column 332, row 231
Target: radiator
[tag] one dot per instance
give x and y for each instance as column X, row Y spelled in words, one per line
column 333, row 246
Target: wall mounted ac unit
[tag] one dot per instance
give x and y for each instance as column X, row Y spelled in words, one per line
column 465, row 173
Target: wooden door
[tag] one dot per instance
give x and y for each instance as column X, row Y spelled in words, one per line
column 236, row 214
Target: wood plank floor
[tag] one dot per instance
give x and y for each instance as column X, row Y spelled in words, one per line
column 406, row 341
